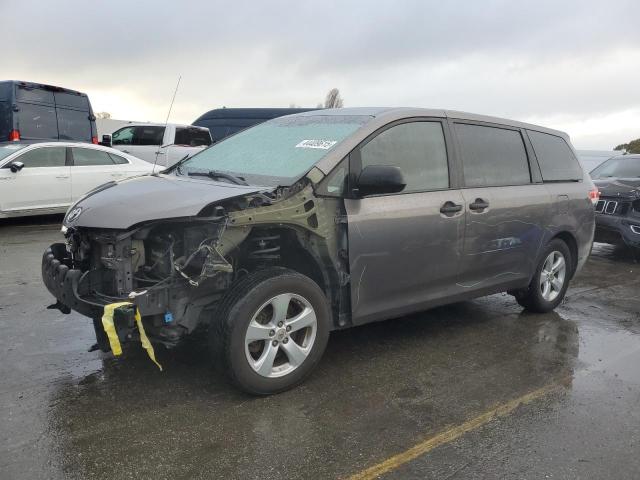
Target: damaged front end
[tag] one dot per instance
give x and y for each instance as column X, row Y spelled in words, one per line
column 175, row 270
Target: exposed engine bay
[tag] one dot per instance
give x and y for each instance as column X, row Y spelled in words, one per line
column 175, row 270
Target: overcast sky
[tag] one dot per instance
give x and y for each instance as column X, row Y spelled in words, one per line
column 572, row 65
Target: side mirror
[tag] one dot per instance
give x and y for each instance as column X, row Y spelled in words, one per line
column 106, row 140
column 16, row 166
column 380, row 179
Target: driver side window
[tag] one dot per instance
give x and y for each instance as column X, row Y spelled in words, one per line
column 417, row 148
column 124, row 136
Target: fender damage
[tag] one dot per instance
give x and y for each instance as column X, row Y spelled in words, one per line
column 175, row 268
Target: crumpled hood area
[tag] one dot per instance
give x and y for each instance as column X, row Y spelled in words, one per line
column 150, row 197
column 619, row 187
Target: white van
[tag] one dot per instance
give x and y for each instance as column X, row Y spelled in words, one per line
column 165, row 144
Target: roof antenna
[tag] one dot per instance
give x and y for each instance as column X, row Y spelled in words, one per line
column 166, row 122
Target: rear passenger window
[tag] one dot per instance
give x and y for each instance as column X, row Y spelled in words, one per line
column 417, row 148
column 83, row 157
column 193, row 137
column 492, row 156
column 44, row 157
column 556, row 160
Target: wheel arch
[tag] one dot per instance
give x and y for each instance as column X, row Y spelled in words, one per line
column 569, row 239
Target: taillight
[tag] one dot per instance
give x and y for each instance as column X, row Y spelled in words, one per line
column 14, row 135
column 94, row 140
column 594, row 195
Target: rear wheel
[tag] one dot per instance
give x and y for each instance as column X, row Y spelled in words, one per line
column 271, row 330
column 550, row 281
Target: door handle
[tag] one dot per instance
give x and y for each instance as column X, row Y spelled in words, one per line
column 125, row 151
column 449, row 208
column 62, row 176
column 478, row 205
column 160, row 153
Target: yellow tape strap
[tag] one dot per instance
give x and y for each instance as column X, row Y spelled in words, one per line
column 110, row 328
column 146, row 344
column 114, row 341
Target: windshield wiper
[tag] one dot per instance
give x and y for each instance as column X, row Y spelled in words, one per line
column 215, row 175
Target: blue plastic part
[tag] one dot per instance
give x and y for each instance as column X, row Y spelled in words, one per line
column 168, row 317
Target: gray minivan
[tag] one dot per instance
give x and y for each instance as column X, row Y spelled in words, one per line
column 270, row 239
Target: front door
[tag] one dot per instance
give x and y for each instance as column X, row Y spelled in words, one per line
column 404, row 248
column 44, row 183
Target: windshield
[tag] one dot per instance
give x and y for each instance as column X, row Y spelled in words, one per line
column 619, row 167
column 8, row 149
column 276, row 152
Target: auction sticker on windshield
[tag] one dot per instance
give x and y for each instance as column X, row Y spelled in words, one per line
column 321, row 144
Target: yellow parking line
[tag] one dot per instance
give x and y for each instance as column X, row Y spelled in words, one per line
column 451, row 434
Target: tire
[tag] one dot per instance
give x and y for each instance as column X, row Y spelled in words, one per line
column 547, row 290
column 257, row 353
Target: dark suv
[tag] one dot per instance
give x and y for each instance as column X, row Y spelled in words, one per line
column 618, row 210
column 324, row 220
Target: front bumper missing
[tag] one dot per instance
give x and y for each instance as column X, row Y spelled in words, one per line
column 72, row 291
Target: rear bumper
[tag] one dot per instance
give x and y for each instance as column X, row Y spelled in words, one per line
column 617, row 230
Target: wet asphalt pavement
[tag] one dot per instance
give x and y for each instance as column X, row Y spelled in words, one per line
column 379, row 390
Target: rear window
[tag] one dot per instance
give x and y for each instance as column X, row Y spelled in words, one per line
column 193, row 137
column 556, row 160
column 492, row 156
column 74, row 125
column 37, row 121
column 33, row 94
column 140, row 135
column 72, row 100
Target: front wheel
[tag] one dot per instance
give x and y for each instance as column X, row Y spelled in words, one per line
column 271, row 330
column 550, row 281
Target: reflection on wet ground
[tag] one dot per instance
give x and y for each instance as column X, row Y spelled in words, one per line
column 381, row 388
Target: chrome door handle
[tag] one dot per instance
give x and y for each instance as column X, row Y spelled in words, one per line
column 160, row 153
column 63, row 176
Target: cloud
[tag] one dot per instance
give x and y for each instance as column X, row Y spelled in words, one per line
column 544, row 60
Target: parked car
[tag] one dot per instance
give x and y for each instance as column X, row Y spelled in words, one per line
column 223, row 122
column 618, row 211
column 44, row 178
column 591, row 159
column 324, row 220
column 34, row 111
column 155, row 143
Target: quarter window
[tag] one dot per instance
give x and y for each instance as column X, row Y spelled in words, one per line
column 83, row 157
column 417, row 148
column 492, row 156
column 44, row 157
column 556, row 160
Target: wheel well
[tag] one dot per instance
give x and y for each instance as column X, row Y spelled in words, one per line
column 570, row 241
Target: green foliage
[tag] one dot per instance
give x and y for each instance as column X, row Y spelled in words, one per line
column 632, row 147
